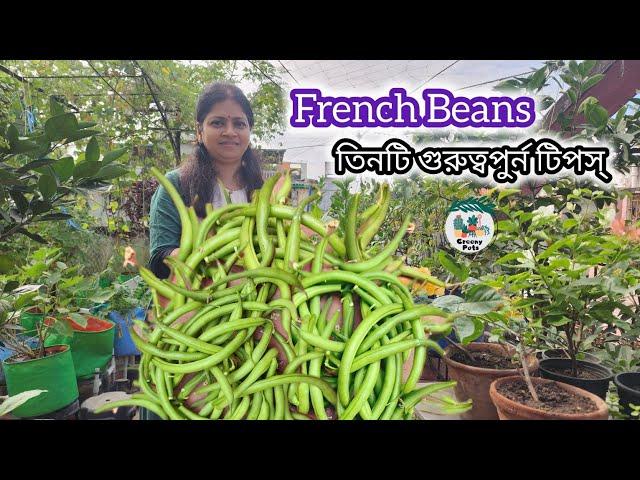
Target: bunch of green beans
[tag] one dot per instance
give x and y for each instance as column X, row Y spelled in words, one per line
column 260, row 341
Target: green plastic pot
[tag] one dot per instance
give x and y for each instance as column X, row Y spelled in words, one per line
column 54, row 373
column 91, row 347
column 29, row 319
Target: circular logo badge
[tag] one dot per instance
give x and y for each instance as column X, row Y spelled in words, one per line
column 469, row 227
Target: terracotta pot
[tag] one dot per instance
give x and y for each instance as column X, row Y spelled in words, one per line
column 510, row 410
column 474, row 382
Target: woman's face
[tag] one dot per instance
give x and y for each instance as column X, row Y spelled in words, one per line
column 225, row 132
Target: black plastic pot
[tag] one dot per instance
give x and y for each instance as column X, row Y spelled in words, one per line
column 559, row 353
column 597, row 386
column 628, row 385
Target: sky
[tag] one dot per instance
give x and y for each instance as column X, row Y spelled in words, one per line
column 357, row 77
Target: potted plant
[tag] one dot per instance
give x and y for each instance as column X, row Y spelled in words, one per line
column 575, row 276
column 524, row 397
column 35, row 367
column 64, row 298
column 124, row 306
column 474, row 366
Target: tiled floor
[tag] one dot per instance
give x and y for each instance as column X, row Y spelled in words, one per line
column 422, row 412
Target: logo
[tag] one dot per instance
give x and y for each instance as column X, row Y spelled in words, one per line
column 469, row 226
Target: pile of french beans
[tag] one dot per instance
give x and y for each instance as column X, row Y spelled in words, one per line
column 247, row 331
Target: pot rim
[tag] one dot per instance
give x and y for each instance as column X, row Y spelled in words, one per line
column 496, row 395
column 584, row 363
column 619, row 384
column 479, row 346
column 562, row 349
column 67, row 348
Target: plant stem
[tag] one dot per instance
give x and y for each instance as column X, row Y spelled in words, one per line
column 464, row 351
column 527, row 378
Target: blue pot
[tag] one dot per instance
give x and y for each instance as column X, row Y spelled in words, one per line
column 4, row 354
column 123, row 344
column 444, row 344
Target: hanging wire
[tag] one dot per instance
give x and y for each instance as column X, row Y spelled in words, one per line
column 436, row 75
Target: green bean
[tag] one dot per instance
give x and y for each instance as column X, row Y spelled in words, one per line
column 225, row 386
column 230, row 326
column 135, row 402
column 284, row 190
column 350, row 236
column 384, row 254
column 205, row 363
column 194, row 221
column 417, row 274
column 321, row 319
column 348, row 277
column 419, row 357
column 293, row 366
column 261, row 367
column 371, row 227
column 280, row 401
column 285, row 212
column 189, row 414
column 206, row 411
column 390, row 279
column 186, row 237
column 157, row 352
column 188, row 387
column 256, row 404
column 268, row 272
column 387, row 387
column 398, row 414
column 249, row 256
column 395, row 394
column 210, row 220
column 264, row 411
column 352, row 345
column 211, row 245
column 164, row 399
column 196, row 344
column 195, row 324
column 262, row 215
column 280, row 232
column 309, row 293
column 347, row 313
column 364, row 296
column 412, row 399
column 383, row 352
column 320, row 342
column 407, row 315
column 268, row 393
column 276, row 380
column 316, row 267
column 155, row 283
column 241, row 410
column 363, row 393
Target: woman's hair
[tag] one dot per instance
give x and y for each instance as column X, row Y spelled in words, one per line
column 197, row 177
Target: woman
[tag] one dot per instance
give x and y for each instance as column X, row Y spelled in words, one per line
column 222, row 169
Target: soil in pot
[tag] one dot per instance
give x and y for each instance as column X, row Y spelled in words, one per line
column 486, row 360
column 591, row 377
column 581, row 373
column 473, row 381
column 559, row 353
column 552, row 398
column 558, row 401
